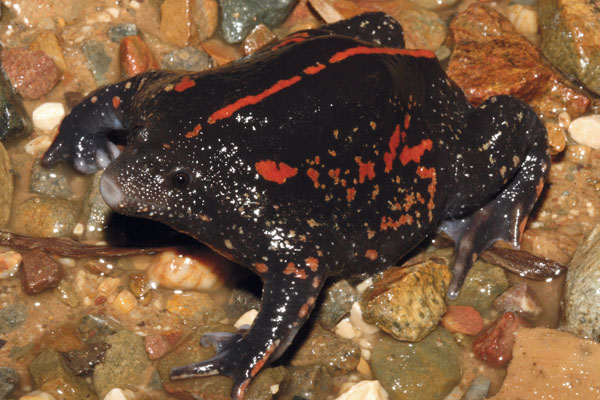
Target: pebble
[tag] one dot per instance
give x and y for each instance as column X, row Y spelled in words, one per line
column 47, row 116
column 125, row 302
column 188, row 59
column 246, row 319
column 258, row 38
column 38, row 145
column 48, row 42
column 46, row 217
column 358, row 322
column 156, row 346
column 239, row 17
column 67, row 294
column 32, row 73
column 581, row 297
column 120, row 394
column 135, row 56
column 199, row 307
column 463, row 319
column 12, row 316
column 192, row 270
column 39, row 271
column 408, row 303
column 365, row 390
column 312, row 382
column 175, row 22
column 83, row 361
column 426, row 370
column 586, row 130
column 98, row 60
column 7, row 185
column 434, row 5
column 51, row 182
column 9, row 263
column 14, row 120
column 494, row 346
column 119, row 32
column 37, row 395
column 9, row 378
column 206, row 18
column 336, row 303
column 523, row 18
column 520, row 300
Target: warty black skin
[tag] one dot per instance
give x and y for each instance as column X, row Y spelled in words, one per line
column 336, row 170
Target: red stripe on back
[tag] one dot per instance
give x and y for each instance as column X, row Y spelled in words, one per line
column 342, row 55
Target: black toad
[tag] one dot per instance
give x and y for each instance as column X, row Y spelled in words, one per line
column 334, row 152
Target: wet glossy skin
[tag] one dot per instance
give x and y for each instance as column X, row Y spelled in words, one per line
column 323, row 155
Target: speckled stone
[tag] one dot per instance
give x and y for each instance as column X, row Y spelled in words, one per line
column 45, row 217
column 188, row 59
column 52, row 182
column 11, row 317
column 239, row 17
column 427, row 370
column 98, row 60
column 9, row 378
column 118, row 32
column 408, row 303
column 14, row 120
column 7, row 185
column 336, row 302
column 582, row 298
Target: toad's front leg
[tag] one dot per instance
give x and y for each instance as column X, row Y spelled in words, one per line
column 289, row 294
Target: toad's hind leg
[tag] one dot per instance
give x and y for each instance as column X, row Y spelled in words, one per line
column 287, row 300
column 516, row 131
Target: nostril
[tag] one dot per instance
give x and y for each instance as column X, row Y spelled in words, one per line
column 110, row 191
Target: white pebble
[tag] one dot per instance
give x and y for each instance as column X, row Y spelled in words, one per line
column 47, row 116
column 358, row 321
column 365, row 390
column 9, row 263
column 38, row 145
column 524, row 19
column 119, row 394
column 135, row 4
column 246, row 319
column 114, row 12
column 364, row 285
column 586, row 131
column 37, row 395
column 345, row 329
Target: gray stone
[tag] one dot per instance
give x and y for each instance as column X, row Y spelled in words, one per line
column 96, row 212
column 479, row 388
column 582, row 297
column 307, row 383
column 9, row 378
column 125, row 363
column 98, row 60
column 188, row 59
column 51, row 182
column 336, row 303
column 7, row 185
column 11, row 317
column 239, row 17
column 118, row 32
column 483, row 284
column 427, row 370
column 94, row 328
column 14, row 120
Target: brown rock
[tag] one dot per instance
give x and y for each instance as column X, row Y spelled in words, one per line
column 491, row 58
column 135, row 57
column 205, row 14
column 32, row 73
column 463, row 319
column 260, row 37
column 48, row 42
column 39, row 271
column 157, row 346
column 220, row 52
column 176, row 22
column 494, row 346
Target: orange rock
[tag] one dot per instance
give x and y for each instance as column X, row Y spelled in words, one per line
column 260, row 36
column 463, row 319
column 135, row 57
column 220, row 52
column 176, row 22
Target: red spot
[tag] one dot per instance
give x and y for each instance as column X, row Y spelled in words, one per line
column 116, row 101
column 389, row 157
column 298, row 272
column 184, row 84
column 313, row 69
column 270, row 171
column 350, row 193
column 429, row 173
column 194, row 132
column 414, row 153
column 313, row 174
column 295, row 38
column 261, row 267
column 342, row 55
column 365, row 169
column 371, row 254
column 228, row 110
column 312, row 264
column 166, row 145
column 406, row 121
column 387, row 222
column 258, row 366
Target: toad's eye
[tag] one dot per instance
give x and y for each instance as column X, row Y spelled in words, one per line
column 180, row 179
